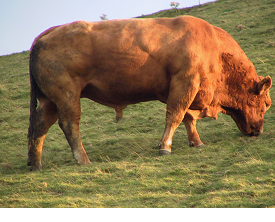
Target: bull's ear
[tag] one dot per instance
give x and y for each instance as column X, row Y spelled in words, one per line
column 264, row 85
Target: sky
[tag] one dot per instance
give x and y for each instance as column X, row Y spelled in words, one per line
column 22, row 20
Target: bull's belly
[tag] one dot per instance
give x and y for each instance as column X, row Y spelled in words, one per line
column 114, row 98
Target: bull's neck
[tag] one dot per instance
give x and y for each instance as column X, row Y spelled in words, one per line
column 238, row 77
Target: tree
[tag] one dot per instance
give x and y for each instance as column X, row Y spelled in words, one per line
column 103, row 17
column 174, row 4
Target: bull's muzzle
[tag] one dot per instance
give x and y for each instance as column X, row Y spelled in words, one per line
column 256, row 133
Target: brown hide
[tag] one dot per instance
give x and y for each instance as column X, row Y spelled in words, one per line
column 197, row 69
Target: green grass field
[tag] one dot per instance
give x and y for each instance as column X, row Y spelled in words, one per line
column 232, row 170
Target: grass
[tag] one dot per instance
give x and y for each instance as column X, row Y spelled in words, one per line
column 231, row 171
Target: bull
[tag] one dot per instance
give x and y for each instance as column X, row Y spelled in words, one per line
column 195, row 68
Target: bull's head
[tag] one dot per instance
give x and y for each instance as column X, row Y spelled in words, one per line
column 249, row 114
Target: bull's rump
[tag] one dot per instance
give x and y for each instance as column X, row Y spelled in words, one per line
column 124, row 61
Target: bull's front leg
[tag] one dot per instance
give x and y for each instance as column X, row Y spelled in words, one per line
column 173, row 120
column 193, row 136
column 181, row 95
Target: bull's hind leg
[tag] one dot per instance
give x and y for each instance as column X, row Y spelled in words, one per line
column 46, row 116
column 69, row 120
column 180, row 97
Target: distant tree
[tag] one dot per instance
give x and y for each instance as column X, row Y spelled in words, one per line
column 104, row 17
column 174, row 4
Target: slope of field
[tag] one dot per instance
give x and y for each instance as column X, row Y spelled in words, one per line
column 232, row 170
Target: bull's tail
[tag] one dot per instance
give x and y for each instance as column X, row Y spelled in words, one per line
column 33, row 95
column 33, row 112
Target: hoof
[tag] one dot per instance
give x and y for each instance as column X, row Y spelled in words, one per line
column 164, row 152
column 191, row 144
column 118, row 119
column 84, row 163
column 36, row 168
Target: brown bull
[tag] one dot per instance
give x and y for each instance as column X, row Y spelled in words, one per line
column 197, row 69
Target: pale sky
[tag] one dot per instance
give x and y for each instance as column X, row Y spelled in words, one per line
column 22, row 20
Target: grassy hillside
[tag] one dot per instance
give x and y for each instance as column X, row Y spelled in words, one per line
column 231, row 171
